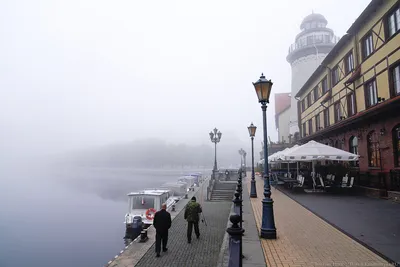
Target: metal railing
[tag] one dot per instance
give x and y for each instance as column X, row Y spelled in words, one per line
column 313, row 40
column 236, row 231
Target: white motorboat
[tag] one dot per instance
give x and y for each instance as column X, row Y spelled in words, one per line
column 145, row 204
column 190, row 180
column 179, row 189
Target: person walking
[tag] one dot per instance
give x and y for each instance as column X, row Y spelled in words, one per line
column 192, row 211
column 162, row 222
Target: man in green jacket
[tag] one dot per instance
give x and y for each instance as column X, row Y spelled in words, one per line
column 192, row 211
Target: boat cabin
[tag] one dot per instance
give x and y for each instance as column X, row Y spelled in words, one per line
column 145, row 203
column 190, row 180
column 177, row 188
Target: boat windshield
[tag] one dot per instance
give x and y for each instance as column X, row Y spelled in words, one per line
column 142, row 202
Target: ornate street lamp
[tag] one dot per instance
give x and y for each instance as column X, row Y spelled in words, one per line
column 215, row 137
column 252, row 132
column 268, row 230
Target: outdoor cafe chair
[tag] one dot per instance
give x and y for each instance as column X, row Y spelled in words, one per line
column 323, row 185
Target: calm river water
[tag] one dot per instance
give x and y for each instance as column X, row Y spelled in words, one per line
column 67, row 216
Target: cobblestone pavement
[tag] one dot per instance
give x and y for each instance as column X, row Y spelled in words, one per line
column 202, row 252
column 303, row 239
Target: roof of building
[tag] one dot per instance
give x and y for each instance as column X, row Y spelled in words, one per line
column 313, row 17
column 359, row 22
column 282, row 102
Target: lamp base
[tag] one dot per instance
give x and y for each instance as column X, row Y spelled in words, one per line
column 268, row 230
column 253, row 192
column 268, row 233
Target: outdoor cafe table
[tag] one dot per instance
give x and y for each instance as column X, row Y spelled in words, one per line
column 290, row 182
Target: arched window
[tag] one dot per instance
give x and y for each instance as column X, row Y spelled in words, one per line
column 374, row 155
column 396, row 145
column 353, row 148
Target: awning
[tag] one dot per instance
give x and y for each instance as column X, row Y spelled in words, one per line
column 354, row 76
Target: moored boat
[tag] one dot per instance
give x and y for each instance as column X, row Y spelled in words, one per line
column 144, row 204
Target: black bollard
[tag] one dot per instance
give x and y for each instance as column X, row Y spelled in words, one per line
column 235, row 242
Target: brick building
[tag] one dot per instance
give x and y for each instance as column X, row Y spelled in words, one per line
column 352, row 100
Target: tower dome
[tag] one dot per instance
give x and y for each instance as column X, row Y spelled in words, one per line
column 313, row 18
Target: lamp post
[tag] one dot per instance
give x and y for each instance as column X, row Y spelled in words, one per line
column 268, row 230
column 244, row 163
column 252, row 132
column 215, row 137
column 241, row 157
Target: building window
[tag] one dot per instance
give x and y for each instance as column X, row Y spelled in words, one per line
column 374, row 155
column 353, row 145
column 371, row 94
column 315, row 93
column 324, row 85
column 396, row 145
column 368, row 46
column 351, row 104
column 303, row 105
column 335, row 75
column 349, row 63
column 393, row 22
column 310, row 129
column 326, row 118
column 309, row 100
column 338, row 113
column 395, row 80
column 304, row 129
column 317, row 123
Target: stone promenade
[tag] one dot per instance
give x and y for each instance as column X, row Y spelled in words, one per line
column 202, row 252
column 304, row 239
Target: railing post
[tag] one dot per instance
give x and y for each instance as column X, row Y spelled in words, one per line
column 237, row 203
column 239, row 189
column 235, row 242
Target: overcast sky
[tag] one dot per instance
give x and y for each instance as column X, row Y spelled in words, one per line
column 80, row 73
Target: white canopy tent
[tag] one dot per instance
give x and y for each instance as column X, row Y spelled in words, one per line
column 314, row 151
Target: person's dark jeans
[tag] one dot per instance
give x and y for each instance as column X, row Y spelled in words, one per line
column 161, row 236
column 196, row 230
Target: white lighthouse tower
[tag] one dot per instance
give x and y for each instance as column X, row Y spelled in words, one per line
column 311, row 46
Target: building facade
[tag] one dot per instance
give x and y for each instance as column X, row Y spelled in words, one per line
column 282, row 116
column 352, row 100
column 311, row 46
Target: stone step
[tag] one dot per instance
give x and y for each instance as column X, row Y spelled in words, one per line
column 224, row 195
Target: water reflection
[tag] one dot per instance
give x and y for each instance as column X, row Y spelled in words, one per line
column 70, row 216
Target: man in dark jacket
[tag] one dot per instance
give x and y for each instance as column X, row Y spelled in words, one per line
column 162, row 222
column 192, row 211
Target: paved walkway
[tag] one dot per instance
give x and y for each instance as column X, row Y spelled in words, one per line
column 375, row 222
column 303, row 239
column 202, row 252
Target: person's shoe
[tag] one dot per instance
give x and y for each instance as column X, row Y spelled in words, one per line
column 158, row 255
column 189, row 241
column 198, row 237
column 165, row 250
